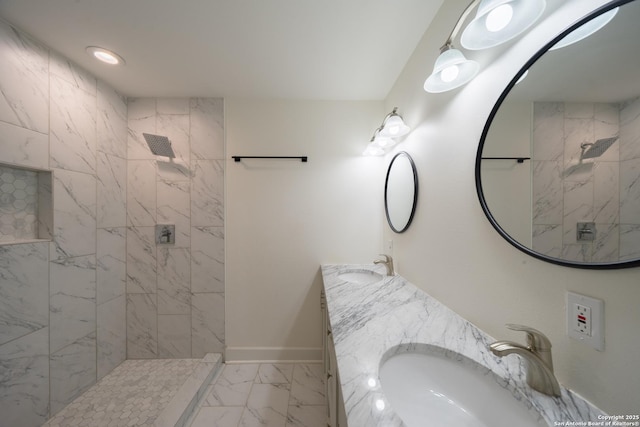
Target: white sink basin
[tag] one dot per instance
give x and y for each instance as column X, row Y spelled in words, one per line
column 362, row 277
column 431, row 390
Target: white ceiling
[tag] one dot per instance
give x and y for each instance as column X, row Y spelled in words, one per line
column 301, row 49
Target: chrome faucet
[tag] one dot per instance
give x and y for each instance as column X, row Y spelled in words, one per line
column 388, row 262
column 537, row 358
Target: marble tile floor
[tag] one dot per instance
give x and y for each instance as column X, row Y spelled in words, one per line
column 264, row 394
column 239, row 395
column 133, row 394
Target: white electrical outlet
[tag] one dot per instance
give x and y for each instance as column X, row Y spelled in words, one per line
column 585, row 320
column 582, row 319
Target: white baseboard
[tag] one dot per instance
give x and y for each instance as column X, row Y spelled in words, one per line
column 273, row 354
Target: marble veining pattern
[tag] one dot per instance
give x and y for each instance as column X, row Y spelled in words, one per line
column 23, row 146
column 111, row 267
column 630, row 191
column 25, row 64
column 207, row 323
column 142, row 326
column 266, row 394
column 111, row 334
column 629, row 242
column 74, row 214
column 141, row 260
column 24, row 290
column 207, row 259
column 174, row 296
column 630, row 130
column 68, row 71
column 141, row 192
column 207, row 128
column 73, row 300
column 548, row 131
column 65, row 308
column 207, row 198
column 568, row 188
column 111, row 191
column 371, row 321
column 72, row 371
column 24, row 380
column 73, row 127
column 141, row 117
column 174, row 202
column 176, row 128
column 181, row 284
column 111, row 126
column 174, row 336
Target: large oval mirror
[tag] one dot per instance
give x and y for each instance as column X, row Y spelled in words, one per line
column 558, row 166
column 401, row 192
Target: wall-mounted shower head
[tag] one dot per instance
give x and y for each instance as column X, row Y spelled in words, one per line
column 159, row 145
column 598, row 148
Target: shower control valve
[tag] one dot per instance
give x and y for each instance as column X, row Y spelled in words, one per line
column 165, row 234
column 586, row 231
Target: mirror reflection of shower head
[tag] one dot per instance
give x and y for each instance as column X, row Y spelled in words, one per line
column 159, row 145
column 596, row 149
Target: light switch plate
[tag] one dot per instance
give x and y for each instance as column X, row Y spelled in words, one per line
column 585, row 320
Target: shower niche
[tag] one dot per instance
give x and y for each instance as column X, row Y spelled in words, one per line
column 26, row 205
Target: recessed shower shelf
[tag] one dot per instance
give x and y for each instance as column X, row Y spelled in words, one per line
column 26, row 205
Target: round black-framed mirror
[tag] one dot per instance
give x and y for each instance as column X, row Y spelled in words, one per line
column 579, row 239
column 401, row 192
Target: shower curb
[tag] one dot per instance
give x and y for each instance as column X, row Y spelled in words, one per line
column 181, row 406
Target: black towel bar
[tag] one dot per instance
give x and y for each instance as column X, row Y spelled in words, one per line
column 518, row 159
column 238, row 158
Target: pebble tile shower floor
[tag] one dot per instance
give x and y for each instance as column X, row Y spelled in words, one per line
column 240, row 395
column 133, row 394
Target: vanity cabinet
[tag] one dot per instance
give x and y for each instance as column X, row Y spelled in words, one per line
column 336, row 415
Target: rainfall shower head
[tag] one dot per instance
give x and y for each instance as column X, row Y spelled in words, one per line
column 598, row 148
column 159, row 145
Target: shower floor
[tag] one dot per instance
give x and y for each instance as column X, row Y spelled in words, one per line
column 140, row 393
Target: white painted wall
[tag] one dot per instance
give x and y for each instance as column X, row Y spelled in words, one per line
column 451, row 250
column 284, row 218
column 503, row 181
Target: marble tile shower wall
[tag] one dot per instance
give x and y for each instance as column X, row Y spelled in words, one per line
column 62, row 303
column 175, row 293
column 568, row 189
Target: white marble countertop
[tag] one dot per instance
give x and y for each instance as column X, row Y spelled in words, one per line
column 372, row 322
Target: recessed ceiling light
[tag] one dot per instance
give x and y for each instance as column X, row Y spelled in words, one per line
column 105, row 55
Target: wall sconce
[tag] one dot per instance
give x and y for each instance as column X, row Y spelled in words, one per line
column 392, row 126
column 496, row 22
column 585, row 30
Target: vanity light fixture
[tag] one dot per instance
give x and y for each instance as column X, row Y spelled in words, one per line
column 373, row 151
column 392, row 126
column 585, row 30
column 451, row 70
column 105, row 55
column 496, row 22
